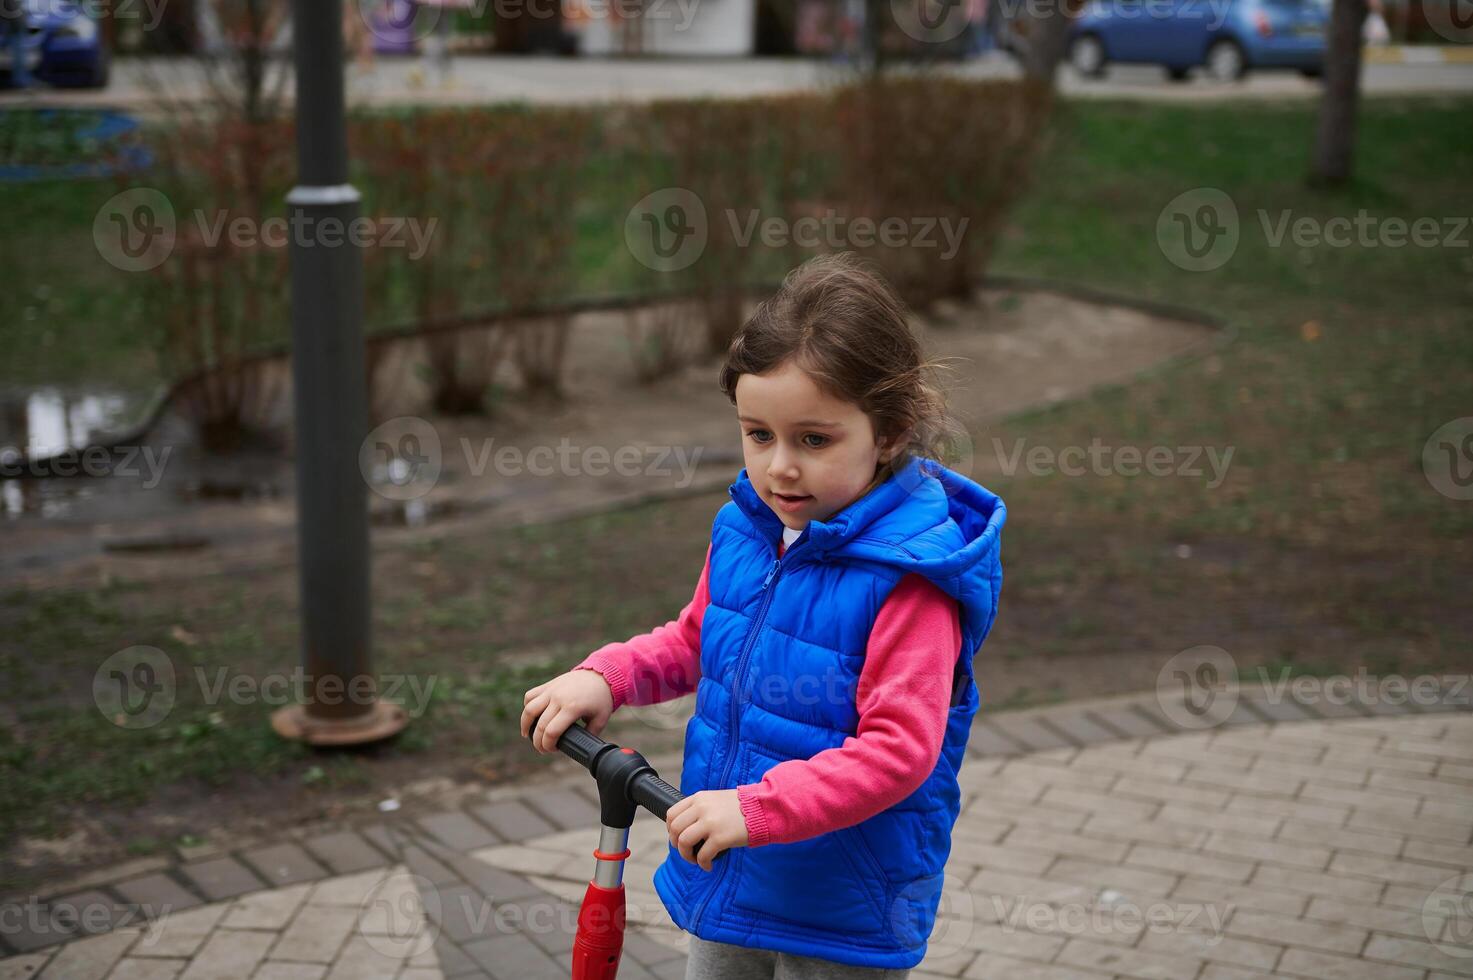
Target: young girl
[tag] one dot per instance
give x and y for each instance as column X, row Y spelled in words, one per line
column 847, row 586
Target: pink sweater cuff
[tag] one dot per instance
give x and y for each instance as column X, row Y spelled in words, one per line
column 758, row 833
column 603, row 662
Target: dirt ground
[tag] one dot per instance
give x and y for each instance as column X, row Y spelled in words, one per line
column 1009, row 350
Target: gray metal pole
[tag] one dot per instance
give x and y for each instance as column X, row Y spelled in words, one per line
column 331, row 405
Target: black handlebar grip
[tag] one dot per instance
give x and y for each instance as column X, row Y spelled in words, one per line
column 580, row 745
column 658, row 796
column 654, row 794
column 577, row 743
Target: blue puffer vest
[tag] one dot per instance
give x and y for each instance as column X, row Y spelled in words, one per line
column 782, row 645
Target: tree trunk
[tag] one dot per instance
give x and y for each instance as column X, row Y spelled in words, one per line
column 1044, row 32
column 1335, row 139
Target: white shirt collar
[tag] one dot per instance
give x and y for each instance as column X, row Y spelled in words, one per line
column 789, row 536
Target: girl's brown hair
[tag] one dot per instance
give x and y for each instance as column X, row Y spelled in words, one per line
column 844, row 326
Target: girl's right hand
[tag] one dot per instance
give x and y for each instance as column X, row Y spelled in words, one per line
column 553, row 706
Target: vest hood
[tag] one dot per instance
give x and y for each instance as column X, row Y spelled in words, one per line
column 925, row 518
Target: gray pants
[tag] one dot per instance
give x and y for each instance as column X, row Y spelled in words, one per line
column 723, row 961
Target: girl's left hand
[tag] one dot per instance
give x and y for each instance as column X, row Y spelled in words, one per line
column 713, row 815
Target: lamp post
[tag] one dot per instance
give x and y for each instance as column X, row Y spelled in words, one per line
column 331, row 407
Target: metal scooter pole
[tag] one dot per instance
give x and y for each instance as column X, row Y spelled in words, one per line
column 625, row 781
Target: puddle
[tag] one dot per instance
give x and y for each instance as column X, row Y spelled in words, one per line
column 43, row 421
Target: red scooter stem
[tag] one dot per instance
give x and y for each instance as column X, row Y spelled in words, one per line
column 600, row 939
column 625, row 782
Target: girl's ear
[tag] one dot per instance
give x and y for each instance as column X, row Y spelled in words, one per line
column 890, row 447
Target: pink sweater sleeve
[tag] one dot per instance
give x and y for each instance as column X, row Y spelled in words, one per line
column 659, row 665
column 903, row 698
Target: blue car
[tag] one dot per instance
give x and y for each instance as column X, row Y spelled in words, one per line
column 63, row 45
column 1224, row 37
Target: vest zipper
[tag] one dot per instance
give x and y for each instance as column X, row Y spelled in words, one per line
column 751, row 641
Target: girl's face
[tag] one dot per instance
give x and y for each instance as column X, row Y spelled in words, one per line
column 808, row 454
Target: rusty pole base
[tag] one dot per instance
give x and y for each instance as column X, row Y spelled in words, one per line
column 381, row 721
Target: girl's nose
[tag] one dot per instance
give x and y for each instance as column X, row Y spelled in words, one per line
column 782, row 467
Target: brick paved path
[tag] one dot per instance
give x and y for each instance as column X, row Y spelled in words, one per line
column 1322, row 848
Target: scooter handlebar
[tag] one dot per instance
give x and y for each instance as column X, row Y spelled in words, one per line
column 645, row 788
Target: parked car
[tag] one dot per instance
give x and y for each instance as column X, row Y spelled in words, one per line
column 64, row 46
column 1226, row 38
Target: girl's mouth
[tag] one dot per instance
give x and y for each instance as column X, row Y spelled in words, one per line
column 790, row 502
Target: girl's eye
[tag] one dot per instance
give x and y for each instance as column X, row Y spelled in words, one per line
column 762, row 436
